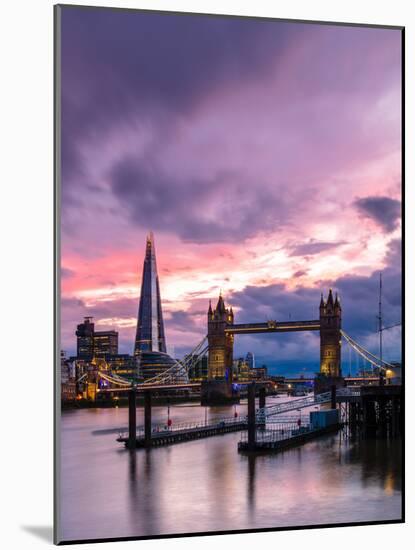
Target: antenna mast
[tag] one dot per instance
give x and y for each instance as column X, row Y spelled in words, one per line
column 380, row 329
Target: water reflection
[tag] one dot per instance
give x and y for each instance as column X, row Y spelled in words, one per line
column 251, row 482
column 205, row 485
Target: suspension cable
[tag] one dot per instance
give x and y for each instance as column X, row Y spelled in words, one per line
column 370, row 357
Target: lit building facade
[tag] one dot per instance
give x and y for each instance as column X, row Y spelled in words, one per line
column 330, row 336
column 105, row 343
column 258, row 373
column 240, row 370
column 124, row 365
column 220, row 342
column 91, row 343
column 68, row 383
column 250, row 359
column 199, row 369
column 154, row 363
column 85, row 339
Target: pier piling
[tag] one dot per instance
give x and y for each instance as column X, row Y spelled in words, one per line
column 251, row 416
column 333, row 397
column 147, row 418
column 262, row 398
column 132, row 418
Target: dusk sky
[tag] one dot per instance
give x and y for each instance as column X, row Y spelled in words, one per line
column 264, row 155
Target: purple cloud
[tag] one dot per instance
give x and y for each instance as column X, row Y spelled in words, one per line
column 237, row 209
column 386, row 212
column 314, row 247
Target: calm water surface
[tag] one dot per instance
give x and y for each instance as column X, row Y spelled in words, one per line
column 205, row 485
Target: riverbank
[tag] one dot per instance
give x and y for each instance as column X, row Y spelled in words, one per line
column 122, row 402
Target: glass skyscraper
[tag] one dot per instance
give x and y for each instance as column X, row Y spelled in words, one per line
column 150, row 328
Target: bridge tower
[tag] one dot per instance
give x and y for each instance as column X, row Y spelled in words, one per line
column 330, row 337
column 220, row 343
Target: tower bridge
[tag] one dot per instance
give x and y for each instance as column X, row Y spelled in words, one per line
column 222, row 331
column 219, row 342
column 218, row 345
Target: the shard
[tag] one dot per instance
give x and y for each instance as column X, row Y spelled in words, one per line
column 150, row 327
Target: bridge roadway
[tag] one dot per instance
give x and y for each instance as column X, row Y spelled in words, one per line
column 273, row 326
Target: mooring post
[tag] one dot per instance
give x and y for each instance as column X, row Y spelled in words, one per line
column 395, row 417
column 353, row 416
column 132, row 419
column 382, row 404
column 251, row 416
column 333, row 397
column 147, row 418
column 262, row 394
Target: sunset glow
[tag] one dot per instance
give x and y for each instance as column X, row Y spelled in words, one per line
column 267, row 161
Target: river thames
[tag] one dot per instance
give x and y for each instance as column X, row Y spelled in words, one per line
column 205, row 485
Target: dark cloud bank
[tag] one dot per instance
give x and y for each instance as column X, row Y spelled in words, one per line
column 117, row 64
column 155, row 200
column 386, row 212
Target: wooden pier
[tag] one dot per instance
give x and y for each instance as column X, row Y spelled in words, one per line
column 154, row 437
column 181, row 434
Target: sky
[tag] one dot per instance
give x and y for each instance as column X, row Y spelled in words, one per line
column 264, row 155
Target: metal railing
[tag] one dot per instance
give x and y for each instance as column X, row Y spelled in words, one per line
column 188, row 426
column 293, row 404
column 348, row 392
column 278, row 434
column 309, row 401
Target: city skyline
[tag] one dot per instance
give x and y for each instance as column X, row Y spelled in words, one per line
column 270, row 170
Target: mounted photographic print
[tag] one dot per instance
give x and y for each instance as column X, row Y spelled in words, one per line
column 229, row 343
